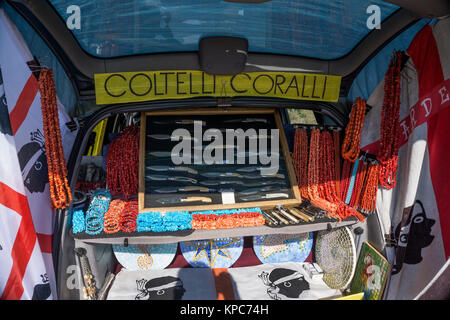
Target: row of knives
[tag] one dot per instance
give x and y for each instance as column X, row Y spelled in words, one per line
column 280, row 216
column 190, row 199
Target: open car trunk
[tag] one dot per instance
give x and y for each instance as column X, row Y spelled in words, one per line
column 171, row 199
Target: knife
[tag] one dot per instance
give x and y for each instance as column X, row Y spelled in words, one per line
column 159, row 177
column 257, row 176
column 221, row 174
column 215, row 183
column 160, row 154
column 182, row 121
column 167, row 168
column 266, row 196
column 183, row 199
column 169, row 137
column 183, row 189
column 256, row 190
column 194, row 188
column 246, row 120
column 265, row 183
column 166, row 190
column 168, row 155
column 248, row 169
column 221, row 146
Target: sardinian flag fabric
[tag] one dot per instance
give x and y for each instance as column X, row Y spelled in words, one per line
column 417, row 210
column 26, row 217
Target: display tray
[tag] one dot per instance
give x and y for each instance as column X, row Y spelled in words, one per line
column 188, row 235
column 220, row 173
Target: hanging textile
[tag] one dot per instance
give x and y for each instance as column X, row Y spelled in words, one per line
column 26, row 217
column 416, row 212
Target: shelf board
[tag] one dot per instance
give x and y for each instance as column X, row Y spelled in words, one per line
column 190, row 235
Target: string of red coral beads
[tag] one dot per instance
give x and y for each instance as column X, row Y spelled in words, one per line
column 390, row 127
column 60, row 193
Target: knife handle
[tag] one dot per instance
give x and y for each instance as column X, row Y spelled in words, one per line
column 284, row 221
column 302, row 215
column 202, row 199
column 287, row 215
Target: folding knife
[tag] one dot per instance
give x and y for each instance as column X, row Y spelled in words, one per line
column 221, row 174
column 266, row 196
column 167, row 168
column 247, row 120
column 173, row 200
column 160, row 177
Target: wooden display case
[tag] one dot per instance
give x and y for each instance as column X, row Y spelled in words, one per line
column 155, row 146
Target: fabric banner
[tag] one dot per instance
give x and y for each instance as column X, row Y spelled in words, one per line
column 26, row 236
column 279, row 281
column 422, row 188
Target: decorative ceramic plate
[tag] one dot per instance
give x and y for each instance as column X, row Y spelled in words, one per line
column 212, row 253
column 275, row 248
column 145, row 256
column 335, row 253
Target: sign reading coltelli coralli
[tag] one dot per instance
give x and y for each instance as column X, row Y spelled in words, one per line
column 123, row 87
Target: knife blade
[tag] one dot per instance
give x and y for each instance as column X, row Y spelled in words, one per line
column 160, row 154
column 178, row 121
column 256, row 190
column 247, row 120
column 183, row 189
column 265, row 183
column 166, row 190
column 216, row 183
column 257, row 176
column 221, row 174
column 221, row 146
column 169, row 137
column 248, row 169
column 160, row 177
column 168, row 168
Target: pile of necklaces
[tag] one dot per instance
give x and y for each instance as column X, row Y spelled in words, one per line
column 105, row 215
column 225, row 219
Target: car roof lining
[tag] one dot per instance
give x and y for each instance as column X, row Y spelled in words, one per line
column 81, row 66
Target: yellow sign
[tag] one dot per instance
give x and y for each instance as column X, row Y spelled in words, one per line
column 123, row 87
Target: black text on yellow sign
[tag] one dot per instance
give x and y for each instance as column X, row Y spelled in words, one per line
column 126, row 87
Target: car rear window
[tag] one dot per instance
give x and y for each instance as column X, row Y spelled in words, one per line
column 324, row 29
